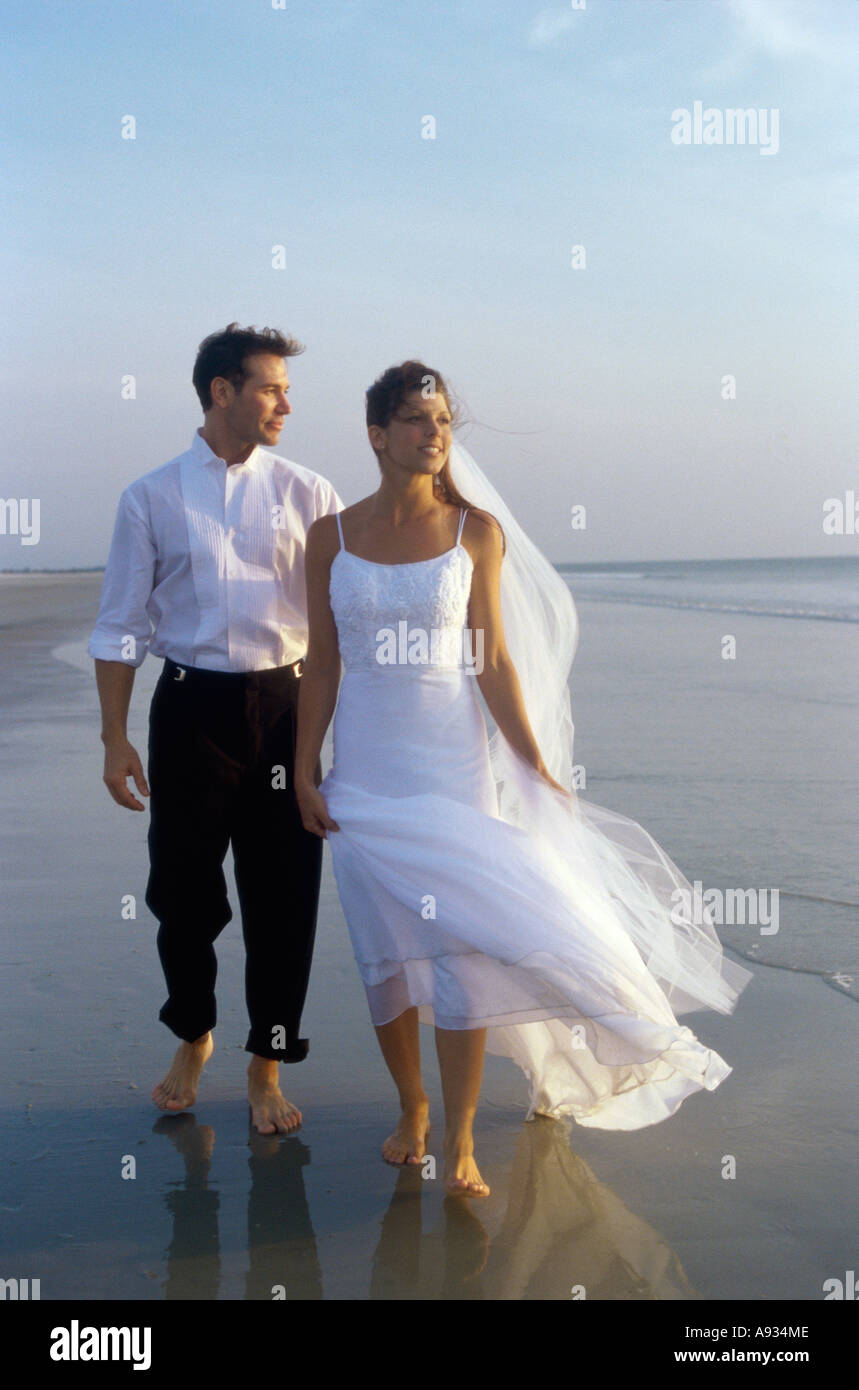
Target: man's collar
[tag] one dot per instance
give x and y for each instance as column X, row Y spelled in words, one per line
column 201, row 450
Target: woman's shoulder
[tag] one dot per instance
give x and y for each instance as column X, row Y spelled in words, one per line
column 324, row 534
column 484, row 530
column 485, row 518
column 323, row 538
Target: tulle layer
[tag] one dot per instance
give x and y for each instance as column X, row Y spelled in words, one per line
column 559, row 939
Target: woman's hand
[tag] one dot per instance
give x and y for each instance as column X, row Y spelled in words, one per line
column 314, row 812
column 544, row 773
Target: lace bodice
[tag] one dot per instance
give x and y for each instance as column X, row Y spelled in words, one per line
column 401, row 617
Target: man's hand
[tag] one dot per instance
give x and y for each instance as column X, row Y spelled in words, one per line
column 120, row 763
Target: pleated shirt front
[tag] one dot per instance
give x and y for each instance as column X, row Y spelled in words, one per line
column 206, row 565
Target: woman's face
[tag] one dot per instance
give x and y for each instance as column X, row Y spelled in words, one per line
column 418, row 435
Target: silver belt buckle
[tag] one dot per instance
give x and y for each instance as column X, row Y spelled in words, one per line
column 180, row 673
column 299, row 667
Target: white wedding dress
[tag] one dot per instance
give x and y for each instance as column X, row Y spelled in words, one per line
column 552, row 942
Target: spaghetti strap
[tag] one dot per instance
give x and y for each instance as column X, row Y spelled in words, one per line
column 340, row 529
column 462, row 515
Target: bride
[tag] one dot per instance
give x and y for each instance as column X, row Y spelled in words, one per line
column 481, row 894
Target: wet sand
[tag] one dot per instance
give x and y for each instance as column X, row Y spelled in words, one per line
column 215, row 1211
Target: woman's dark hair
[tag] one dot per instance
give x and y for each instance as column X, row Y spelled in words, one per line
column 387, row 394
column 225, row 353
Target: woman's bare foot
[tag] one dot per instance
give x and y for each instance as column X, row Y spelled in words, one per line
column 408, row 1143
column 461, row 1174
column 271, row 1112
column 178, row 1090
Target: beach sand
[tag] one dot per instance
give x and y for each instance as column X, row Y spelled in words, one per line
column 215, row 1211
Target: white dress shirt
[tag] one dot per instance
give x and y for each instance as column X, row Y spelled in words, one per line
column 206, row 565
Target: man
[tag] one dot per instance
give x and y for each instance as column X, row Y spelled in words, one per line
column 206, row 569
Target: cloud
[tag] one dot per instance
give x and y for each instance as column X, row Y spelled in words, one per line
column 786, row 29
column 548, row 25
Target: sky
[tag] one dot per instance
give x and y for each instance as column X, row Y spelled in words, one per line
column 688, row 378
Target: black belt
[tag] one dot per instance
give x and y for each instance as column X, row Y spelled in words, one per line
column 201, row 675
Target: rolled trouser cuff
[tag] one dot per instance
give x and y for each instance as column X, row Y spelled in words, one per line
column 293, row 1050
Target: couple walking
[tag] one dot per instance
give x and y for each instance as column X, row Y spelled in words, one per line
column 481, row 894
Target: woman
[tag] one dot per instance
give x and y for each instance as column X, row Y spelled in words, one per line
column 479, row 893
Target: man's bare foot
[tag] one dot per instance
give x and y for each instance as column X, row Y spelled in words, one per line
column 408, row 1143
column 461, row 1174
column 271, row 1112
column 178, row 1090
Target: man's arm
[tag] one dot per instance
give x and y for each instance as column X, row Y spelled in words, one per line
column 120, row 642
column 115, row 680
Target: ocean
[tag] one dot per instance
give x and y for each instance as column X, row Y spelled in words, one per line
column 731, row 734
column 817, row 587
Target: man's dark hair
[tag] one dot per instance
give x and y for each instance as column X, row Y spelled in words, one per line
column 225, row 354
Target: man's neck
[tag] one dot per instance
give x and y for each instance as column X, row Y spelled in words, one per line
column 225, row 445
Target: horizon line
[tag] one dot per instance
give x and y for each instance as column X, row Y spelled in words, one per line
column 556, row 564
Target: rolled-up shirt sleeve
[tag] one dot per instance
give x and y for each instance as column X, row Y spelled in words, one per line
column 327, row 500
column 123, row 629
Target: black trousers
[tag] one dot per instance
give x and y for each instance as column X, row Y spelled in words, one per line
column 221, row 760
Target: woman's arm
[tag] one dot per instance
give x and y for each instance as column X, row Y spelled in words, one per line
column 320, row 676
column 498, row 681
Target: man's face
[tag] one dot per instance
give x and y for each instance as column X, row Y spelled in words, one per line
column 257, row 412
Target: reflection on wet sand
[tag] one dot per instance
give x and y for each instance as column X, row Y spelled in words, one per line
column 194, row 1254
column 564, row 1235
column 445, row 1264
column 283, row 1263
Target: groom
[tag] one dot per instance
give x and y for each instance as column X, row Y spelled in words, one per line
column 206, row 570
